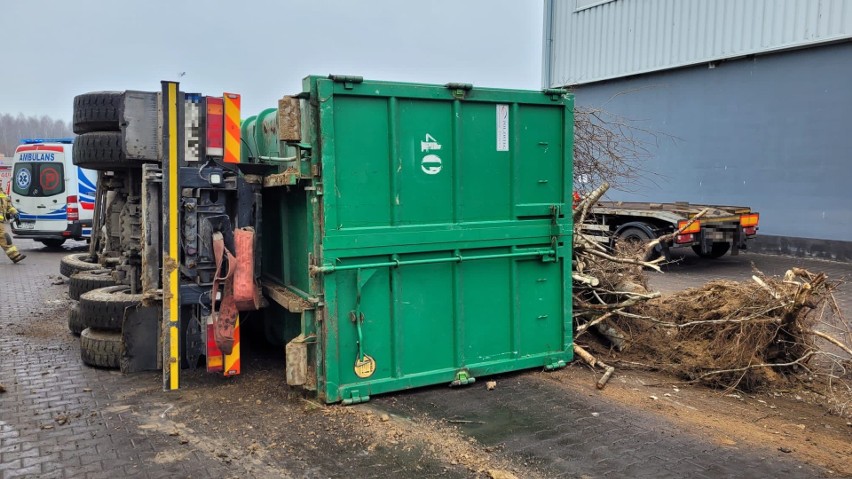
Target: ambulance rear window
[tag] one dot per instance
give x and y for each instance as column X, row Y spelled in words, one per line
column 38, row 179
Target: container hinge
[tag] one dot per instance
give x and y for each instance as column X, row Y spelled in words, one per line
column 555, row 212
column 555, row 94
column 355, row 397
column 317, row 188
column 348, row 81
column 554, row 365
column 463, row 378
column 555, row 216
column 459, row 90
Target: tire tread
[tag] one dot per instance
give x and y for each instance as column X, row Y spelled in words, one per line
column 97, row 111
column 104, row 308
column 100, row 348
column 75, row 263
column 85, row 281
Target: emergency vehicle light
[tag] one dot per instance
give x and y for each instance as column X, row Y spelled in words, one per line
column 35, row 141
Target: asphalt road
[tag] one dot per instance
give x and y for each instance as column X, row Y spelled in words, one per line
column 690, row 271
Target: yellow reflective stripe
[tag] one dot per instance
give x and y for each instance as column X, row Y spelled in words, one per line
column 174, row 365
column 174, row 307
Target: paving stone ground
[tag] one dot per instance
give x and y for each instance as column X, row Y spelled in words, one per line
column 61, row 419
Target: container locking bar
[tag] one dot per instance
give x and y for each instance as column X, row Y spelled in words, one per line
column 555, row 94
column 365, row 365
column 546, row 254
column 349, row 81
column 459, row 89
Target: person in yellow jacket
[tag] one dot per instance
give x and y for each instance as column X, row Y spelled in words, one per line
column 7, row 211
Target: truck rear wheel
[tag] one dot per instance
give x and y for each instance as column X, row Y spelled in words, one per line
column 104, row 308
column 631, row 239
column 717, row 251
column 100, row 348
column 85, row 281
column 98, row 111
column 74, row 263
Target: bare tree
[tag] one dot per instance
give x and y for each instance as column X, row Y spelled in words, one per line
column 610, row 148
column 15, row 128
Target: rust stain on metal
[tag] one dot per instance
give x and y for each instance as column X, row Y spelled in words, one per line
column 297, row 361
column 253, row 179
column 152, row 297
column 169, row 265
column 289, row 119
column 286, row 298
column 288, row 177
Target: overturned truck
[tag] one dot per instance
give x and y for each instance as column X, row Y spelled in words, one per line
column 387, row 235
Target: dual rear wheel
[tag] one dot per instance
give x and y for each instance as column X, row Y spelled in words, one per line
column 633, row 238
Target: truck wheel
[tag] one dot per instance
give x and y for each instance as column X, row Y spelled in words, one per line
column 634, row 237
column 104, row 308
column 74, row 263
column 75, row 321
column 717, row 251
column 100, row 348
column 102, row 151
column 85, row 281
column 53, row 243
column 98, row 111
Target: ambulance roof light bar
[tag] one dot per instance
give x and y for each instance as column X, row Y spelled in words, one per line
column 35, row 141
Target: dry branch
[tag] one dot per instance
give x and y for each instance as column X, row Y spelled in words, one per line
column 834, row 342
column 748, row 335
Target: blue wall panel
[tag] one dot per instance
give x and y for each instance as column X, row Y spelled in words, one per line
column 773, row 132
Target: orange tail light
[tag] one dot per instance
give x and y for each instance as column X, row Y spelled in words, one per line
column 695, row 227
column 749, row 220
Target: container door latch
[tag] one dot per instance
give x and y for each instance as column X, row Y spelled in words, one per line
column 365, row 365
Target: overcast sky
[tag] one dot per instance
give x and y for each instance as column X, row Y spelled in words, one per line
column 55, row 49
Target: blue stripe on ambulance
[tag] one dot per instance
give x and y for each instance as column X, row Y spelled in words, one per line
column 59, row 214
column 86, row 189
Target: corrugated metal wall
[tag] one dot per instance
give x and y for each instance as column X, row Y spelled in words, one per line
column 771, row 132
column 625, row 37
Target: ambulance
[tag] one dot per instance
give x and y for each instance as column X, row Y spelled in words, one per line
column 55, row 199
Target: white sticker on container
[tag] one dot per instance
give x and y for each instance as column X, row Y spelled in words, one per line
column 502, row 127
column 429, row 144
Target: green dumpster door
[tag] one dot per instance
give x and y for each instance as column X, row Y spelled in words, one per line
column 441, row 233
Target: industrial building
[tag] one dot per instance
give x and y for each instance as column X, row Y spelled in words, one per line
column 751, row 97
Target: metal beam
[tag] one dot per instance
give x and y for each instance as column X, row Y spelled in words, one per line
column 171, row 224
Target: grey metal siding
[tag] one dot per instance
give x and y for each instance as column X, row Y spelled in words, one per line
column 628, row 37
column 771, row 132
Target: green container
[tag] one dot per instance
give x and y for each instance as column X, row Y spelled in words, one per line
column 428, row 239
column 248, row 144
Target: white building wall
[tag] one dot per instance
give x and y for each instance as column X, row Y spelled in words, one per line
column 592, row 40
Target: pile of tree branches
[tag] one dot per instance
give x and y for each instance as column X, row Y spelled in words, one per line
column 745, row 335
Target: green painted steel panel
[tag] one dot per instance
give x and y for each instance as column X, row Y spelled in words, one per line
column 248, row 146
column 266, row 133
column 437, row 222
